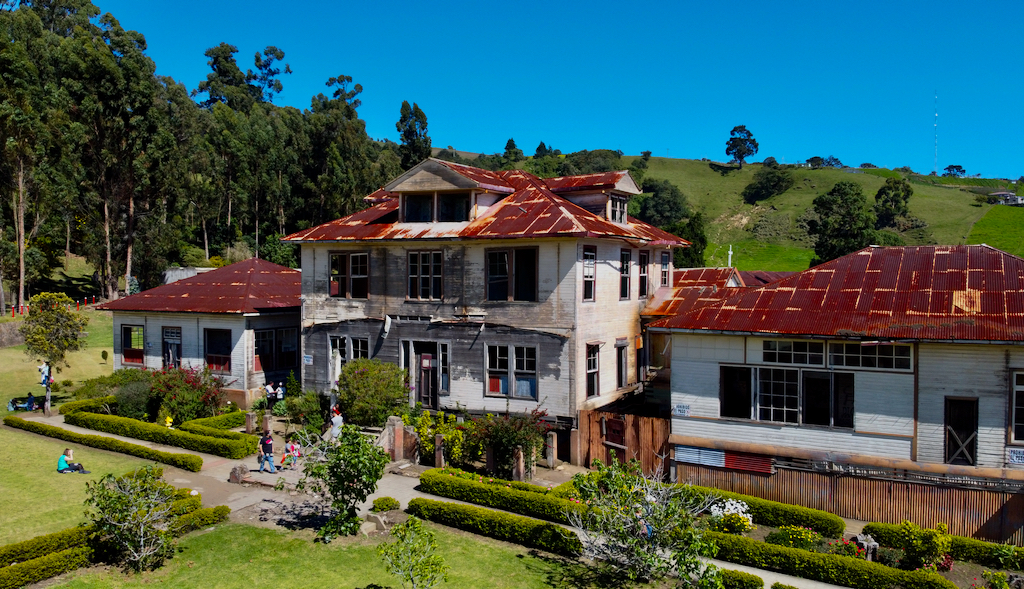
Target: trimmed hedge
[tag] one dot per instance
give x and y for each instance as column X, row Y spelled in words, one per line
column 199, row 518
column 187, row 505
column 39, row 569
column 529, row 503
column 776, row 515
column 501, row 526
column 828, row 568
column 739, row 580
column 251, row 442
column 961, row 547
column 226, row 421
column 140, row 430
column 189, row 462
column 782, row 586
column 91, row 405
column 43, row 545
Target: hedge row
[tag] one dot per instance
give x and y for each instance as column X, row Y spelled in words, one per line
column 739, row 580
column 38, row 569
column 961, row 548
column 529, row 503
column 187, row 505
column 782, row 586
column 252, row 442
column 501, row 526
column 226, row 421
column 189, row 462
column 199, row 518
column 43, row 545
column 91, row 405
column 828, row 568
column 140, row 430
column 775, row 514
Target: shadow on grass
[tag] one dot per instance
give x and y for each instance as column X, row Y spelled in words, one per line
column 76, row 287
column 723, row 170
column 306, row 515
column 566, row 572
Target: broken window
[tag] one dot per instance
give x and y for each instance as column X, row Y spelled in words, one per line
column 512, row 274
column 350, row 275
column 425, row 275
column 618, row 210
column 497, row 370
column 453, row 207
column 525, row 372
column 589, row 272
column 1018, row 406
column 624, row 260
column 807, row 397
column 360, row 347
column 735, row 391
column 827, row 398
column 419, row 208
column 644, row 262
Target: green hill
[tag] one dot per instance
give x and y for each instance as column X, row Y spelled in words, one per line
column 1002, row 227
column 768, row 236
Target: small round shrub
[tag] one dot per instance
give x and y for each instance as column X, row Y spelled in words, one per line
column 844, row 547
column 795, row 537
column 890, row 557
column 135, row 401
column 280, row 408
column 382, row 504
column 67, row 383
column 259, row 404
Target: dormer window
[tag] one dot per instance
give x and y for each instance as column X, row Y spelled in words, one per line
column 618, row 210
column 444, row 207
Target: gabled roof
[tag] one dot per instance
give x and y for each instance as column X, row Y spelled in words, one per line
column 691, row 288
column 619, row 180
column 249, row 286
column 931, row 293
column 761, row 277
column 531, row 210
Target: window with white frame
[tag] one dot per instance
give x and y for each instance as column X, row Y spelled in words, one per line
column 593, row 370
column 625, row 257
column 339, row 355
column 788, row 395
column 870, row 355
column 644, row 263
column 618, row 210
column 793, row 352
column 778, row 395
column 425, row 279
column 512, row 371
column 666, row 259
column 350, row 275
column 497, row 370
column 589, row 272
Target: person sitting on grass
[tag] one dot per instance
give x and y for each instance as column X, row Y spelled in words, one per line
column 28, row 405
column 63, row 466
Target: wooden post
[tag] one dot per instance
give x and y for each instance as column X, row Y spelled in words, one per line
column 575, row 458
column 266, row 421
column 250, row 422
column 491, row 464
column 518, row 468
column 439, row 451
column 552, row 449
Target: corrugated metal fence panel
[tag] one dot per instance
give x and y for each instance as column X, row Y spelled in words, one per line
column 989, row 515
column 692, row 455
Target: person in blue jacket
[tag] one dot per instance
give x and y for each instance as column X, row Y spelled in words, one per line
column 64, row 466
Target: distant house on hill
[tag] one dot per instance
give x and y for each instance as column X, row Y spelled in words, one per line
column 241, row 321
column 891, row 363
column 1009, row 198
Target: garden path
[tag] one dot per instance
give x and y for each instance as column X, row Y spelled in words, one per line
column 399, row 481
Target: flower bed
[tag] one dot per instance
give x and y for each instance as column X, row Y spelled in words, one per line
column 961, row 548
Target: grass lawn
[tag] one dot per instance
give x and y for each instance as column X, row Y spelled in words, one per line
column 244, row 556
column 758, row 255
column 34, row 498
column 1001, row 228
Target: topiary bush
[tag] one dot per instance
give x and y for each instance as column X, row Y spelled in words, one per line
column 370, row 390
column 103, row 386
column 188, row 462
column 200, row 518
column 228, row 420
column 382, row 504
column 499, row 525
column 43, row 545
column 774, row 514
column 991, row 554
column 795, row 537
column 777, row 585
column 739, row 580
column 95, row 405
column 140, row 430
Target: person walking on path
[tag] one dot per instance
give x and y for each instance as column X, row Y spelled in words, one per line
column 266, row 454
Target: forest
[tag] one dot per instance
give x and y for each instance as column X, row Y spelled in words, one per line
column 137, row 172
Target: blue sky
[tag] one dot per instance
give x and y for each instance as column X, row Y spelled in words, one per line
column 852, row 79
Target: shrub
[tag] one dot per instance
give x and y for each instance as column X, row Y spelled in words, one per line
column 200, row 518
column 122, row 426
column 370, row 390
column 828, row 568
column 461, row 445
column 186, row 505
column 188, row 393
column 93, row 405
column 844, row 547
column 382, row 504
column 774, row 514
column 188, row 462
column 778, row 585
column 305, row 410
column 251, row 442
column 740, row 580
column 922, row 546
column 134, row 401
column 541, row 506
column 280, row 408
column 961, row 548
column 505, row 433
column 103, row 386
column 730, row 516
column 130, row 514
column 226, row 421
column 39, row 569
column 795, row 537
column 498, row 525
column 43, row 545
column 891, row 557
column 520, row 485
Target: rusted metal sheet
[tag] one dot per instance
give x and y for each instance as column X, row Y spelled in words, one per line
column 990, row 515
column 761, row 277
column 532, row 210
column 600, row 180
column 645, row 439
column 248, row 286
column 925, row 293
column 693, row 287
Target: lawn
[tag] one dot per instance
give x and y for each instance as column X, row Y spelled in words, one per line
column 242, row 556
column 34, row 498
column 1001, row 228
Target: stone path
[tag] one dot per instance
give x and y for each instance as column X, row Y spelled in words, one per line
column 400, row 481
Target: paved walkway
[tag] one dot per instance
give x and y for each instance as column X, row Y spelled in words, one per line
column 400, row 481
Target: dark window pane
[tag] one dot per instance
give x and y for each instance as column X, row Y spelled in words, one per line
column 419, row 208
column 735, row 400
column 218, row 341
column 842, row 399
column 453, row 207
column 525, row 270
column 497, row 276
column 817, row 398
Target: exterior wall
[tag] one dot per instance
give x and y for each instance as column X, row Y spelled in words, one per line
column 883, row 402
column 982, row 372
column 256, row 378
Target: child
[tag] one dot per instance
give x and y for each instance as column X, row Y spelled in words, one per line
column 291, row 455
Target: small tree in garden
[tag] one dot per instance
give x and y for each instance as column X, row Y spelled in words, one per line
column 505, row 433
column 343, row 472
column 412, row 557
column 370, row 390
column 188, row 393
column 639, row 530
column 51, row 329
column 131, row 512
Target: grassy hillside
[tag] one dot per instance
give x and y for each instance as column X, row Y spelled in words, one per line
column 1002, row 227
column 767, row 236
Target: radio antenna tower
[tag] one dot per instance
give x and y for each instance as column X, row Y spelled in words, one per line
column 936, row 132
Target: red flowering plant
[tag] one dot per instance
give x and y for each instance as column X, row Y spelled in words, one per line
column 188, row 393
column 505, row 433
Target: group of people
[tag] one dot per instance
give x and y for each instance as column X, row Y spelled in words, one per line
column 28, row 405
column 274, row 395
column 265, row 454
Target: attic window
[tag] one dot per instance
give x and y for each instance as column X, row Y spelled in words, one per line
column 618, row 210
column 419, row 208
column 445, row 207
column 453, row 207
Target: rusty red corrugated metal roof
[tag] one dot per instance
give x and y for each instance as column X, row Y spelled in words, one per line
column 600, row 180
column 761, row 277
column 936, row 293
column 532, row 210
column 249, row 286
column 691, row 288
column 485, row 178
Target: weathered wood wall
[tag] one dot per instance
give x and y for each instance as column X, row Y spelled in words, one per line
column 646, row 439
column 989, row 515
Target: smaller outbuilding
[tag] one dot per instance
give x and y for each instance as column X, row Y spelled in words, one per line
column 241, row 321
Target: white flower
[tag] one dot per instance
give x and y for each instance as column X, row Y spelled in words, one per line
column 194, row 492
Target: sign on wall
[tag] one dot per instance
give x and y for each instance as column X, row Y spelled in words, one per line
column 307, row 359
column 1015, row 455
column 680, row 410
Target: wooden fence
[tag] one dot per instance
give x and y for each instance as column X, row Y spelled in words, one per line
column 989, row 515
column 629, row 436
